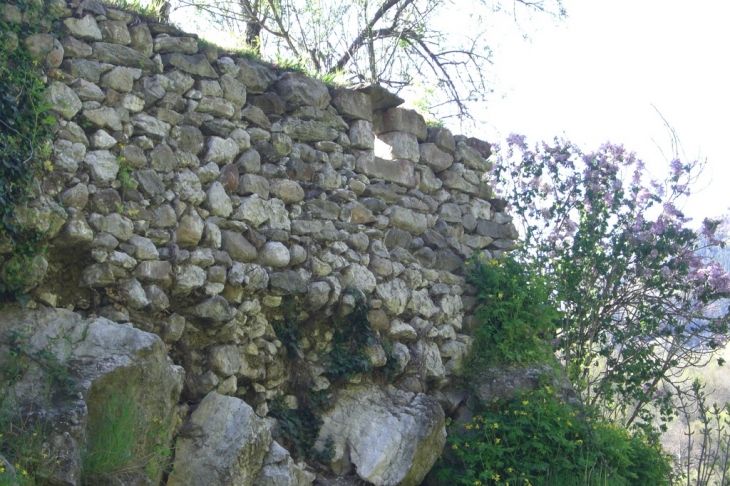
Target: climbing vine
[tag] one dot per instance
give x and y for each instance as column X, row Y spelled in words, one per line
column 25, row 125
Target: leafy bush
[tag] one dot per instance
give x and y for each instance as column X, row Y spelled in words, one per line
column 537, row 439
column 514, row 312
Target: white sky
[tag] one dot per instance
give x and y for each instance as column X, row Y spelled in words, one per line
column 594, row 78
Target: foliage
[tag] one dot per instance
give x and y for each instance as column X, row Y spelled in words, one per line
column 300, row 426
column 287, row 329
column 538, row 439
column 114, row 440
column 704, row 457
column 347, row 357
column 638, row 297
column 390, row 42
column 25, row 134
column 111, row 439
column 515, row 314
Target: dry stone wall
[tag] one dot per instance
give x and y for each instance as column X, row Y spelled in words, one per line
column 193, row 193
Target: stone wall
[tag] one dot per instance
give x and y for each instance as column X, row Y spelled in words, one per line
column 192, row 191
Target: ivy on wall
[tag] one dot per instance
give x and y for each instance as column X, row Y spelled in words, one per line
column 25, row 127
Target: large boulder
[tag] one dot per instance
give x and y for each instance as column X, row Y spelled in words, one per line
column 227, row 449
column 390, row 437
column 74, row 369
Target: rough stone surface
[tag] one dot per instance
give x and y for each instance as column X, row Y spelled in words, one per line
column 391, row 437
column 230, row 450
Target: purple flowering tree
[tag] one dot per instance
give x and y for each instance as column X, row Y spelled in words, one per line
column 640, row 300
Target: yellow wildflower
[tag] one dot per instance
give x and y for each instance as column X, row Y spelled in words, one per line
column 495, row 477
column 497, row 440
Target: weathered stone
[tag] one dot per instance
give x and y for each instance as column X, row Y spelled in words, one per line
column 380, row 98
column 352, row 104
column 299, row 89
column 185, row 45
column 141, row 39
column 188, row 187
column 216, row 106
column 443, row 139
column 400, row 120
column 109, row 360
column 395, row 295
column 63, row 100
column 391, row 437
column 399, row 171
column 45, row 48
column 67, row 155
column 103, row 165
column 233, row 90
column 162, row 159
column 237, row 246
column 288, row 191
column 84, row 68
column 102, row 140
column 254, row 184
column 144, row 249
column 119, row 79
column 153, row 271
column 434, row 157
column 217, row 201
column 115, row 31
column 188, row 278
column 73, row 47
column 190, row 230
column 274, row 254
column 358, row 276
column 361, row 135
column 230, row 450
column 151, row 126
column 405, row 219
column 84, row 28
column 308, row 130
column 196, row 64
column 288, row 281
column 397, row 145
column 496, row 230
column 104, row 117
column 122, row 56
column 472, row 159
column 221, row 150
column 452, row 180
column 75, row 197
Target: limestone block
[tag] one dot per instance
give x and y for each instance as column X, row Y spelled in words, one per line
column 390, row 437
column 352, row 104
column 185, row 45
column 395, row 295
column 397, row 145
column 361, row 135
column 434, row 157
column 400, row 120
column 122, row 56
column 84, row 28
column 196, row 64
column 63, row 100
column 115, row 31
column 299, row 89
column 399, row 171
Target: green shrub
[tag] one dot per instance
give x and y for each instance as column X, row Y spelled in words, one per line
column 537, row 439
column 514, row 314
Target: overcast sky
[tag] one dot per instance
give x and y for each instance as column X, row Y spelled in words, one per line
column 594, row 78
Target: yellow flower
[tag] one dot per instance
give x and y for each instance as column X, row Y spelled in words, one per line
column 500, row 295
column 455, row 447
column 2, row 469
column 525, row 402
column 495, row 425
column 509, row 469
column 497, row 440
column 495, row 477
column 469, row 426
column 24, row 472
